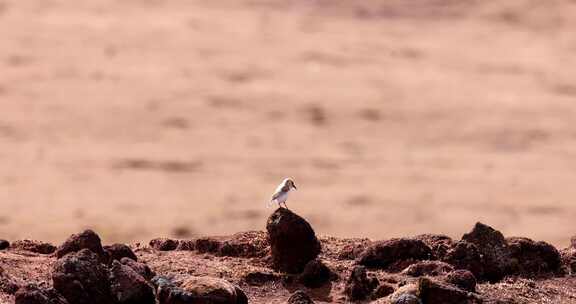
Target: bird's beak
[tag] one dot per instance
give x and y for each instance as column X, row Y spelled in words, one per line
column 294, row 186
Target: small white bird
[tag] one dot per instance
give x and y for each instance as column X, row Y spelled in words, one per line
column 281, row 194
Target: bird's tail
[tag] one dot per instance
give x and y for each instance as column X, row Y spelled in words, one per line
column 270, row 203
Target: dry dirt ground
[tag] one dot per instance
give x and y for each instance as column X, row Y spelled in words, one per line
column 141, row 118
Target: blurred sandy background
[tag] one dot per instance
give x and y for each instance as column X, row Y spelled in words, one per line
column 147, row 118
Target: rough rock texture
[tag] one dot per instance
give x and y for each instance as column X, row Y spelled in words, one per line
column 404, row 295
column 462, row 279
column 7, row 284
column 186, row 245
column 87, row 239
column 34, row 246
column 119, row 251
column 431, row 268
column 207, row 245
column 164, row 244
column 32, row 294
column 201, row 290
column 383, row 290
column 465, row 255
column 534, row 259
column 496, row 259
column 4, row 244
column 359, row 286
column 128, row 286
column 315, row 274
column 394, row 254
column 82, row 279
column 438, row 243
column 141, row 268
column 430, row 291
column 292, row 240
column 300, row 297
column 259, row 278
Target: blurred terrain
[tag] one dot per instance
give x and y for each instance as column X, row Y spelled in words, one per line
column 141, row 118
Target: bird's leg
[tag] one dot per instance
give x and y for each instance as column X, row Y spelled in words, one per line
column 286, row 206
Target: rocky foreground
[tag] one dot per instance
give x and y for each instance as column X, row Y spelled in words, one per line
column 289, row 264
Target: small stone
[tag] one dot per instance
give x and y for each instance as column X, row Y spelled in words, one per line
column 34, row 246
column 394, row 254
column 315, row 274
column 119, row 251
column 4, row 244
column 87, row 239
column 129, row 287
column 139, row 267
column 430, row 268
column 359, row 286
column 300, row 297
column 164, row 244
column 463, row 279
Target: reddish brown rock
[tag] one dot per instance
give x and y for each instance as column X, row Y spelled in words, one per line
column 465, row 255
column 495, row 252
column 462, row 279
column 534, row 259
column 429, row 268
column 140, row 268
column 87, row 239
column 207, row 245
column 32, row 294
column 292, row 240
column 192, row 289
column 129, row 287
column 82, row 279
column 300, row 297
column 119, row 251
column 394, row 254
column 186, row 245
column 438, row 243
column 7, row 284
column 164, row 244
column 430, row 291
column 315, row 274
column 259, row 278
column 34, row 246
column 383, row 290
column 359, row 286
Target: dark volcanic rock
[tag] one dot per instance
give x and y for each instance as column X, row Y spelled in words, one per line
column 438, row 243
column 32, row 294
column 87, row 239
column 493, row 249
column 300, row 297
column 359, row 286
column 394, row 254
column 129, row 287
column 82, row 279
column 164, row 244
column 119, row 251
column 34, row 246
column 383, row 290
column 292, row 240
column 4, row 244
column 534, row 258
column 465, row 255
column 201, row 290
column 315, row 274
column 207, row 245
column 258, row 278
column 462, row 279
column 430, row 268
column 435, row 292
column 406, row 298
column 186, row 245
column 141, row 268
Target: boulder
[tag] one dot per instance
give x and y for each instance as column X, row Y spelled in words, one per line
column 359, row 286
column 198, row 290
column 87, row 239
column 495, row 252
column 300, row 297
column 534, row 259
column 82, row 279
column 34, row 246
column 141, row 268
column 438, row 243
column 465, row 255
column 429, row 268
column 128, row 286
column 119, row 251
column 462, row 279
column 4, row 244
column 292, row 240
column 394, row 254
column 430, row 291
column 32, row 294
column 164, row 244
column 315, row 274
